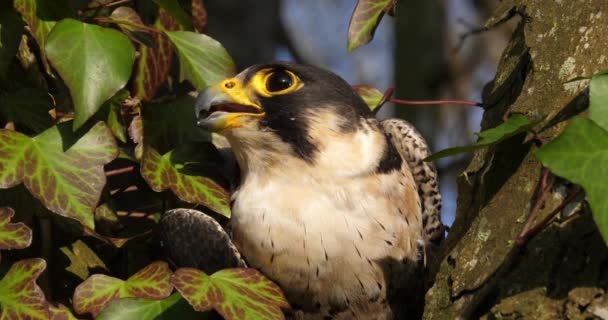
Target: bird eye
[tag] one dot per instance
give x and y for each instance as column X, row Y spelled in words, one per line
column 279, row 80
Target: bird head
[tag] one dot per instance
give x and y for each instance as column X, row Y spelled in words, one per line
column 283, row 109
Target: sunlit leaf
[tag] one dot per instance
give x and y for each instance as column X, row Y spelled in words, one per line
column 82, row 258
column 233, row 293
column 365, row 19
column 199, row 16
column 151, row 282
column 13, row 235
column 175, row 10
column 202, row 60
column 154, row 64
column 516, row 124
column 67, row 178
column 598, row 100
column 370, row 95
column 20, row 296
column 175, row 170
column 580, row 154
column 94, row 62
column 173, row 307
column 28, row 107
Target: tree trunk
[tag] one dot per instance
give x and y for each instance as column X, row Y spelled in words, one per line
column 562, row 273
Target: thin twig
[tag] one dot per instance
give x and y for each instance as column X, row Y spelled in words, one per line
column 127, row 23
column 428, row 102
column 119, row 171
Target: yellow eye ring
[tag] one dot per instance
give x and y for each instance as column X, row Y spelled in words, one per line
column 274, row 82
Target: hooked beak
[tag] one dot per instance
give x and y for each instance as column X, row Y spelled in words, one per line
column 224, row 105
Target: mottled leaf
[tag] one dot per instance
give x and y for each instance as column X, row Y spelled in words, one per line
column 175, row 170
column 151, row 282
column 20, row 296
column 27, row 107
column 38, row 26
column 130, row 23
column 63, row 169
column 365, row 19
column 82, row 258
column 233, row 293
column 371, row 96
column 11, row 29
column 202, row 60
column 176, row 11
column 598, row 100
column 199, row 16
column 516, row 124
column 154, row 64
column 61, row 312
column 13, row 235
column 173, row 307
column 94, row 62
column 580, row 154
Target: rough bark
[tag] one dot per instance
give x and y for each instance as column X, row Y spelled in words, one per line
column 562, row 273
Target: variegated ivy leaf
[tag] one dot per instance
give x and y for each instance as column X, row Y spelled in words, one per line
column 63, row 169
column 365, row 19
column 199, row 16
column 371, row 96
column 82, row 258
column 20, row 296
column 13, row 235
column 61, row 312
column 151, row 282
column 173, row 307
column 176, row 170
column 234, row 293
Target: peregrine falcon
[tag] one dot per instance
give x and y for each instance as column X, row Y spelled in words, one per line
column 336, row 207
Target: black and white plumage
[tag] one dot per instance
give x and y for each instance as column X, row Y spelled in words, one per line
column 334, row 206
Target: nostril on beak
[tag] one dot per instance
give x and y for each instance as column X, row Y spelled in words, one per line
column 229, row 84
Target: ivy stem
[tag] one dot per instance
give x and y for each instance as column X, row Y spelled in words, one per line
column 387, row 97
column 119, row 171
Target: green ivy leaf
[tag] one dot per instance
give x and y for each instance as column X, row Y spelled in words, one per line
column 598, row 100
column 67, row 178
column 515, row 125
column 173, row 307
column 13, row 235
column 113, row 117
column 202, row 60
column 176, row 170
column 94, row 62
column 39, row 22
column 20, row 296
column 233, row 293
column 28, row 107
column 365, row 19
column 370, row 95
column 580, row 155
column 151, row 282
column 154, row 64
column 82, row 258
column 176, row 11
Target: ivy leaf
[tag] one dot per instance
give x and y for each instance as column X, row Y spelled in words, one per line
column 13, row 235
column 94, row 62
column 39, row 26
column 370, row 95
column 20, row 296
column 130, row 23
column 515, row 125
column 199, row 16
column 154, row 64
column 28, row 107
column 63, row 169
column 233, row 293
column 598, row 100
column 173, row 307
column 151, row 282
column 176, row 11
column 176, row 170
column 202, row 60
column 580, row 155
column 82, row 258
column 60, row 312
column 365, row 19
